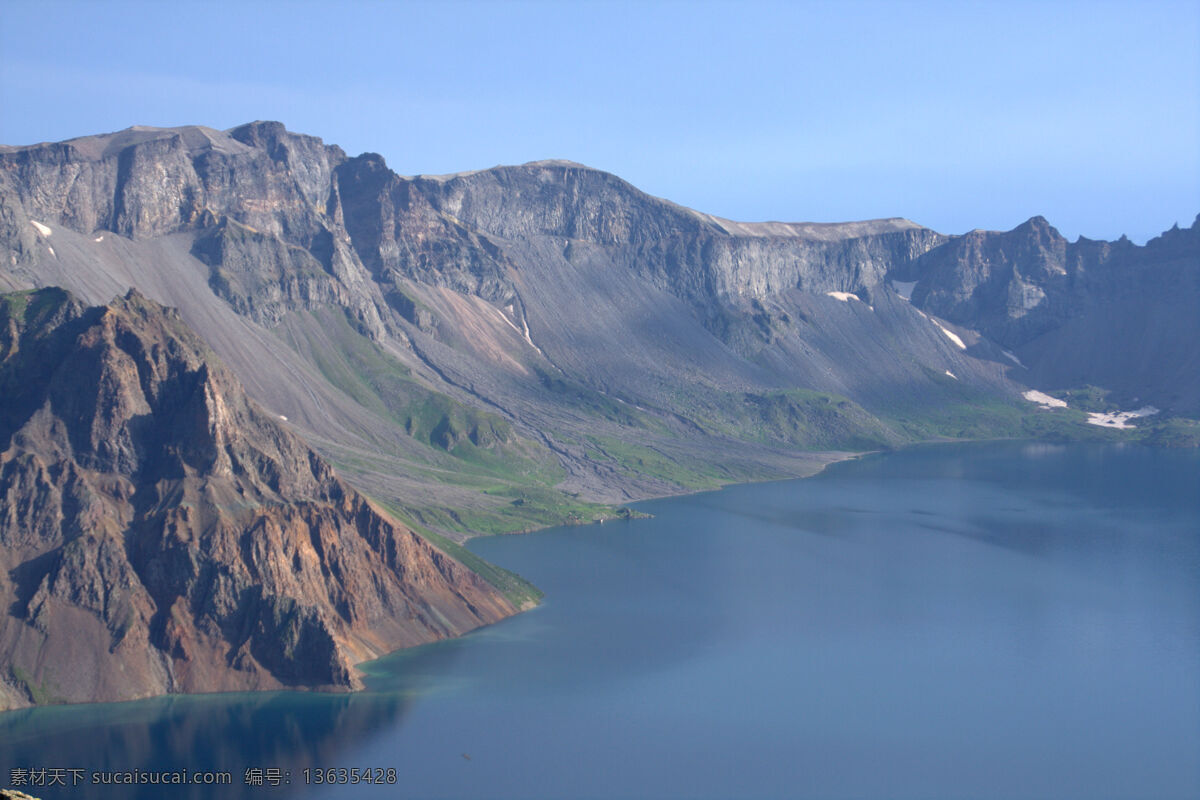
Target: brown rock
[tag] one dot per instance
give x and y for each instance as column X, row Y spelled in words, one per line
column 160, row 533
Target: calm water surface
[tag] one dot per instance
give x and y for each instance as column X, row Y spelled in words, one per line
column 975, row 621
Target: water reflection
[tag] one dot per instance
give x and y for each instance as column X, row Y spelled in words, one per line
column 946, row 622
column 284, row 731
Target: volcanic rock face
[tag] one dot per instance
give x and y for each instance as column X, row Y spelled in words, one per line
column 573, row 306
column 257, row 190
column 1108, row 313
column 146, row 182
column 696, row 256
column 546, row 331
column 160, row 533
column 290, row 223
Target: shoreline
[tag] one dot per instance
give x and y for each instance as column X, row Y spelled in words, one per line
column 834, row 457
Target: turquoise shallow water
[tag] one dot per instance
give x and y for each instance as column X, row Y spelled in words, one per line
column 967, row 621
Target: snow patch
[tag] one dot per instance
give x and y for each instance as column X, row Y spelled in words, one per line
column 846, row 297
column 51, row 249
column 1116, row 419
column 523, row 330
column 282, row 417
column 953, row 337
column 951, row 374
column 508, row 321
column 1120, row 419
column 1044, row 400
column 99, row 238
column 1013, row 359
column 44, row 230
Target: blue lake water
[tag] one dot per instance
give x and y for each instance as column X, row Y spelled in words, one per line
column 961, row 621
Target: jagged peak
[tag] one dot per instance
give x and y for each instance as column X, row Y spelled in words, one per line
column 277, row 141
column 377, row 161
column 1178, row 237
column 1036, row 224
column 1039, row 225
column 262, row 133
column 267, row 126
column 134, row 300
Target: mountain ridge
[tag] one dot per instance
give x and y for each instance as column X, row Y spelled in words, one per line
column 383, row 246
column 505, row 349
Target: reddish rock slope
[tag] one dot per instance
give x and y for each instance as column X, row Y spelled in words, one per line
column 161, row 533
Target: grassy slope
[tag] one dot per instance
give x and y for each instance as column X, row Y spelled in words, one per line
column 970, row 414
column 480, row 452
column 452, row 443
column 515, row 478
column 519, row 591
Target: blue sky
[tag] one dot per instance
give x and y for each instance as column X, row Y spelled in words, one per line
column 955, row 115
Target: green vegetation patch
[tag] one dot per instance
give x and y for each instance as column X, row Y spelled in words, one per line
column 32, row 305
column 1171, row 432
column 458, row 445
column 475, row 439
column 14, row 304
column 996, row 419
column 589, row 400
column 1089, row 398
column 536, row 507
column 800, row 419
column 520, row 592
column 519, row 509
column 814, row 421
column 633, row 459
column 40, row 693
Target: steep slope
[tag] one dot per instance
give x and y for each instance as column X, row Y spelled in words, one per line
column 615, row 345
column 252, row 269
column 256, row 265
column 664, row 308
column 1087, row 312
column 161, row 533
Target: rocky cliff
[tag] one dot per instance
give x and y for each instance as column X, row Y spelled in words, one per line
column 259, row 192
column 1107, row 313
column 486, row 351
column 161, row 533
column 289, row 222
column 584, row 316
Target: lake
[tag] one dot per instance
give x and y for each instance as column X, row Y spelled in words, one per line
column 998, row 620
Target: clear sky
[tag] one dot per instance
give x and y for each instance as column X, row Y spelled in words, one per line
column 956, row 115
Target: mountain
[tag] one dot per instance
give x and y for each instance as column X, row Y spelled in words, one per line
column 1106, row 313
column 553, row 316
column 506, row 349
column 161, row 533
